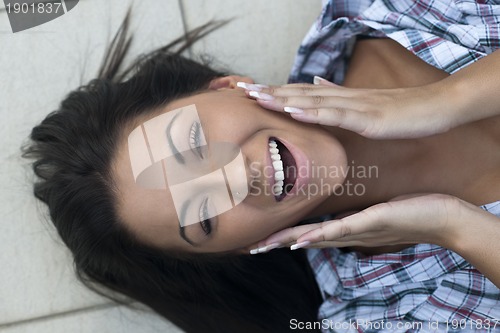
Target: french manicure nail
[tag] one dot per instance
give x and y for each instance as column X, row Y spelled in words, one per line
column 299, row 245
column 269, row 247
column 317, row 79
column 262, row 96
column 290, row 109
column 264, row 249
column 254, row 251
column 250, row 86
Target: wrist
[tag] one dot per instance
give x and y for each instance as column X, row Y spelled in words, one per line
column 454, row 227
column 464, row 224
column 456, row 99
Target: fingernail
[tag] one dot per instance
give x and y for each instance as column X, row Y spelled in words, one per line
column 264, row 249
column 254, row 251
column 299, row 245
column 292, row 110
column 250, row 86
column 262, row 96
column 317, row 80
column 269, row 247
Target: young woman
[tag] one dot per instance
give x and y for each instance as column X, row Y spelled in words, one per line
column 424, row 283
column 202, row 277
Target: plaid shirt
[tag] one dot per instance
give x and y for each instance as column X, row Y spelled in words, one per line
column 427, row 287
column 447, row 34
column 425, row 284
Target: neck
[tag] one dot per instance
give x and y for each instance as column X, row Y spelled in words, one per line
column 380, row 170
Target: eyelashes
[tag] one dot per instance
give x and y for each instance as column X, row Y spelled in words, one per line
column 206, row 224
column 195, row 144
column 195, row 138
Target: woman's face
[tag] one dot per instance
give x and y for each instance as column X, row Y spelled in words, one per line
column 227, row 115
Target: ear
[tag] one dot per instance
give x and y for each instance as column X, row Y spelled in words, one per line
column 228, row 82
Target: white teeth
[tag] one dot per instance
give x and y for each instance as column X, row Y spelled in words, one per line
column 279, row 175
column 277, row 190
column 278, row 165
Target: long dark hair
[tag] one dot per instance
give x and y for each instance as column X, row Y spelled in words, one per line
column 72, row 150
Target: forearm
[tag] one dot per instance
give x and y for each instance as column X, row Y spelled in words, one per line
column 473, row 92
column 475, row 234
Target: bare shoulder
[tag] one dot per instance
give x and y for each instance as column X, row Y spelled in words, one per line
column 384, row 63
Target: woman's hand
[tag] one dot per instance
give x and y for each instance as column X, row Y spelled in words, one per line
column 374, row 113
column 468, row 95
column 430, row 218
column 433, row 218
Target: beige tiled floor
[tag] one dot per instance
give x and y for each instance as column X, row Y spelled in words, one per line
column 262, row 38
column 38, row 291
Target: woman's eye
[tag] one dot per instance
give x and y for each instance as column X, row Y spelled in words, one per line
column 195, row 139
column 206, row 223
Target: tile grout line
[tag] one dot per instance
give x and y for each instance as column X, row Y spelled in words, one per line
column 184, row 23
column 59, row 314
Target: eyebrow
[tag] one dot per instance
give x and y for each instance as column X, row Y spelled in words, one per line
column 182, row 231
column 176, row 152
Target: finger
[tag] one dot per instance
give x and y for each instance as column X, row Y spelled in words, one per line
column 323, row 87
column 289, row 235
column 312, row 90
column 351, row 242
column 262, row 87
column 283, row 238
column 293, row 85
column 356, row 121
column 247, row 93
column 307, row 102
column 304, row 90
column 333, row 230
column 338, row 244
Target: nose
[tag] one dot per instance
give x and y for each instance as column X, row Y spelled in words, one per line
column 237, row 179
column 225, row 187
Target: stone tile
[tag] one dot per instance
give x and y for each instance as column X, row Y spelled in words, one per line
column 38, row 67
column 262, row 39
column 116, row 319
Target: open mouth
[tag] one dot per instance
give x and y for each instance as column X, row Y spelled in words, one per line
column 285, row 169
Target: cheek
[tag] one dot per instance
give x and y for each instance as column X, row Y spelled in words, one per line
column 239, row 120
column 232, row 129
column 248, row 225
